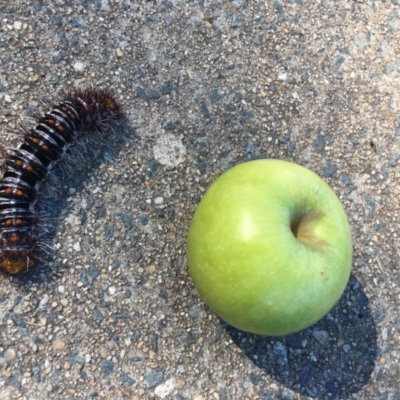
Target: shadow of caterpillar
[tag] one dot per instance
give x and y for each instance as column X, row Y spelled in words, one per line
column 77, row 117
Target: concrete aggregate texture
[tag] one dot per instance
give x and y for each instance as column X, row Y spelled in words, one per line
column 112, row 313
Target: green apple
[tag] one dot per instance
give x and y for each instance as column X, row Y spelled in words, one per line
column 269, row 247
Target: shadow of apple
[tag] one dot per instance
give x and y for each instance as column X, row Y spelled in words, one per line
column 334, row 358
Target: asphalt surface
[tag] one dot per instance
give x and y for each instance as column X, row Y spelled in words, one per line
column 112, row 313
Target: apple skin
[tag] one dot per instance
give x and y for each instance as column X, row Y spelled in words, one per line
column 244, row 257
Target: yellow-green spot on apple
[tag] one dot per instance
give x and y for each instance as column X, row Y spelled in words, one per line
column 269, row 247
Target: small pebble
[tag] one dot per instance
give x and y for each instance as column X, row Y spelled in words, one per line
column 22, row 348
column 181, row 368
column 79, row 66
column 77, row 247
column 9, row 355
column 153, row 378
column 43, row 300
column 59, row 345
column 17, row 25
column 321, row 336
column 106, row 367
column 180, row 383
column 166, row 388
column 282, row 76
column 346, row 348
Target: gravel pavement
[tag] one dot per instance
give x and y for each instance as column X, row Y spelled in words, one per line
column 112, row 312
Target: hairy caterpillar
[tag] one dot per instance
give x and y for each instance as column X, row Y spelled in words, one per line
column 76, row 117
